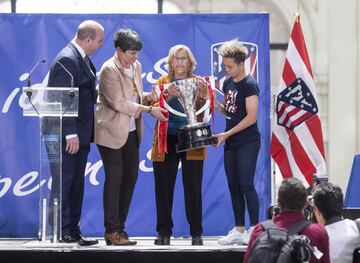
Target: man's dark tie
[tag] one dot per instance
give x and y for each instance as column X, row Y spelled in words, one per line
column 87, row 61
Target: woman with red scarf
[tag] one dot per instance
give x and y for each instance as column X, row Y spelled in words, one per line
column 180, row 64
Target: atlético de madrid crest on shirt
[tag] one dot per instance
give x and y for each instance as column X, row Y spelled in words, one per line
column 295, row 104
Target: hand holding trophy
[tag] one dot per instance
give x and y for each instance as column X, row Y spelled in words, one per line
column 195, row 134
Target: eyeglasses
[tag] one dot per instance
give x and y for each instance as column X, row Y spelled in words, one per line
column 181, row 58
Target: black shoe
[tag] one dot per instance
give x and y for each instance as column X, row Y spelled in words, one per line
column 69, row 239
column 82, row 241
column 197, row 241
column 162, row 241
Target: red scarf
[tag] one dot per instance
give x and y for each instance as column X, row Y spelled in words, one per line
column 163, row 125
column 212, row 101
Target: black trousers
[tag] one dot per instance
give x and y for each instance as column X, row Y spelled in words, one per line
column 240, row 166
column 73, row 170
column 165, row 177
column 121, row 172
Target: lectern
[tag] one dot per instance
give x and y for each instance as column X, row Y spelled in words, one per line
column 50, row 105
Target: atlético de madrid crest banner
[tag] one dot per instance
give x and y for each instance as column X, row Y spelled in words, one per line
column 28, row 38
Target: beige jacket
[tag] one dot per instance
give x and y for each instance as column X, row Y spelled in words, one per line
column 114, row 106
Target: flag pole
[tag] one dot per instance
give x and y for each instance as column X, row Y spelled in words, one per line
column 297, row 14
column 297, row 17
column 273, row 164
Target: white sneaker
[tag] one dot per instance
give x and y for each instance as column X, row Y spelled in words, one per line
column 234, row 237
column 246, row 238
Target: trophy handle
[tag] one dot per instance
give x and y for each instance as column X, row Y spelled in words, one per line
column 210, row 79
column 178, row 113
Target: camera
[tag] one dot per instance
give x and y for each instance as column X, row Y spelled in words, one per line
column 317, row 179
column 309, row 210
column 273, row 211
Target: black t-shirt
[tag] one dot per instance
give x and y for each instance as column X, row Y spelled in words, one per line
column 235, row 106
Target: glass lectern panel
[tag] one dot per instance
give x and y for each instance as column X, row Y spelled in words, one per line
column 51, row 105
column 51, row 101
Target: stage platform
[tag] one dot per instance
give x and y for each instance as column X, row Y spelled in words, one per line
column 180, row 250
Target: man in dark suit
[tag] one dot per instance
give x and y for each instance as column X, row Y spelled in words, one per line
column 77, row 132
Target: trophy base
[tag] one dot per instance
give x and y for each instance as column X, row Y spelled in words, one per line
column 194, row 137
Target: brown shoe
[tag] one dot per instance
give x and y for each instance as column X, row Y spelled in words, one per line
column 118, row 239
column 125, row 235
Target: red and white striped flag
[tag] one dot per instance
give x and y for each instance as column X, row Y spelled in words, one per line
column 297, row 143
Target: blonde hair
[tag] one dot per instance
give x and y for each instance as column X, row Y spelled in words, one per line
column 234, row 49
column 172, row 53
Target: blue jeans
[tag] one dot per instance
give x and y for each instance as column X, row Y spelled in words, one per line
column 240, row 165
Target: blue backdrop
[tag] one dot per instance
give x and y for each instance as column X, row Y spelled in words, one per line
column 352, row 198
column 26, row 39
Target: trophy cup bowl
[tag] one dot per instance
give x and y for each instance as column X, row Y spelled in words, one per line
column 195, row 134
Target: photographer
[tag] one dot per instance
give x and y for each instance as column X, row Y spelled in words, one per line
column 343, row 233
column 308, row 211
column 292, row 199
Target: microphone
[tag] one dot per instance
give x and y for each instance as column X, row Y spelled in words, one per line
column 72, row 78
column 28, row 93
column 71, row 94
column 31, row 71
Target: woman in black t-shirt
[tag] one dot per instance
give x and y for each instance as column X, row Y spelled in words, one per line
column 241, row 138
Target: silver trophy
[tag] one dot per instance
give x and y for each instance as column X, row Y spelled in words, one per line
column 188, row 93
column 195, row 134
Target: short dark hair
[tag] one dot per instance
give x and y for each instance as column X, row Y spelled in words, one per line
column 329, row 199
column 127, row 39
column 292, row 195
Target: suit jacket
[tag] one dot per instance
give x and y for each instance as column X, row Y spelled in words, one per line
column 114, row 106
column 84, row 79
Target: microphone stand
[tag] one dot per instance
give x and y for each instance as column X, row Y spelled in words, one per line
column 29, row 94
column 72, row 96
column 71, row 92
column 28, row 91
